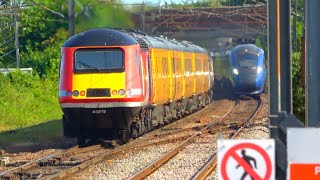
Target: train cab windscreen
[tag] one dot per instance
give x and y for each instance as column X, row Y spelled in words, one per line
column 99, row 60
column 247, row 60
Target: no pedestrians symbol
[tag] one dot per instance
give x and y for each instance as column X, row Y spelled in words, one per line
column 245, row 159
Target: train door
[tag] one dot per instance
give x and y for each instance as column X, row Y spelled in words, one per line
column 174, row 80
column 149, row 77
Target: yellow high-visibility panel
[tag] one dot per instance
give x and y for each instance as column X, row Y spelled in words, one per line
column 113, row 81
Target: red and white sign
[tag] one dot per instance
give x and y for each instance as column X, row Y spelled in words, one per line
column 303, row 153
column 246, row 159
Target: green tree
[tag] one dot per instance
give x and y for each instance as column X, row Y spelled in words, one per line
column 298, row 89
column 7, row 24
column 43, row 28
column 92, row 14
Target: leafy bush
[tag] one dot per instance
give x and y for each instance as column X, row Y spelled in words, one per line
column 27, row 100
column 297, row 88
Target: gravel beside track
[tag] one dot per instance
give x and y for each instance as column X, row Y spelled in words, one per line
column 187, row 162
column 125, row 165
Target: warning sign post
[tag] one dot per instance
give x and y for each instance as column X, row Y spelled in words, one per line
column 246, row 159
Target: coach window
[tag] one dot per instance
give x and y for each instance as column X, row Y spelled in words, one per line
column 165, row 65
column 99, row 60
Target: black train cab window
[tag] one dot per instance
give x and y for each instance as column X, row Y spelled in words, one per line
column 99, row 60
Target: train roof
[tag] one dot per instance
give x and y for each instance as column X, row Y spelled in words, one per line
column 165, row 43
column 100, row 37
column 247, row 48
column 125, row 37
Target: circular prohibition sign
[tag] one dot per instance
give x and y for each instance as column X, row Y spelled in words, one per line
column 231, row 153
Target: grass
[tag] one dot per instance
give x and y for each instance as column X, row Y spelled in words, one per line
column 28, row 106
column 26, row 101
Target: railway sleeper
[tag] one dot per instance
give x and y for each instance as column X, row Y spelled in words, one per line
column 9, row 176
column 50, row 162
column 28, row 175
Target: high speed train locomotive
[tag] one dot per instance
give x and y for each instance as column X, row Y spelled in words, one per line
column 241, row 68
column 118, row 84
column 248, row 69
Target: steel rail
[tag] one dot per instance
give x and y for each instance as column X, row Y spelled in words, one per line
column 211, row 164
column 36, row 162
column 120, row 150
column 162, row 160
column 179, row 130
column 29, row 165
column 168, row 127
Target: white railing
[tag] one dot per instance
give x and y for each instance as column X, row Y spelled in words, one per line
column 7, row 70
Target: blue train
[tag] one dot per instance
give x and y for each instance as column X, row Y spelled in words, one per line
column 242, row 68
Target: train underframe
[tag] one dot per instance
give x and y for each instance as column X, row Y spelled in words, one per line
column 250, row 88
column 127, row 122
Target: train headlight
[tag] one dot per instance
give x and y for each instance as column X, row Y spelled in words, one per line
column 128, row 92
column 82, row 93
column 114, row 92
column 68, row 93
column 121, row 92
column 235, row 71
column 259, row 70
column 75, row 93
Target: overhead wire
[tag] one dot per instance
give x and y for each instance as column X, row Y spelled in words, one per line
column 46, row 19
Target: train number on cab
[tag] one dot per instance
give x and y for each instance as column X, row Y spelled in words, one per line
column 99, row 111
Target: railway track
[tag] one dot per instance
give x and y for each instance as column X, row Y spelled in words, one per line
column 154, row 138
column 172, row 133
column 21, row 171
column 44, row 167
column 38, row 169
column 211, row 163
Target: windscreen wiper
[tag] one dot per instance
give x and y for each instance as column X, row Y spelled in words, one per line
column 89, row 66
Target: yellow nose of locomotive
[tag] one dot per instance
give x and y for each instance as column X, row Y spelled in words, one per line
column 102, row 85
column 98, row 73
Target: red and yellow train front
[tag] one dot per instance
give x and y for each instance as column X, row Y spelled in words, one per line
column 101, row 77
column 101, row 89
